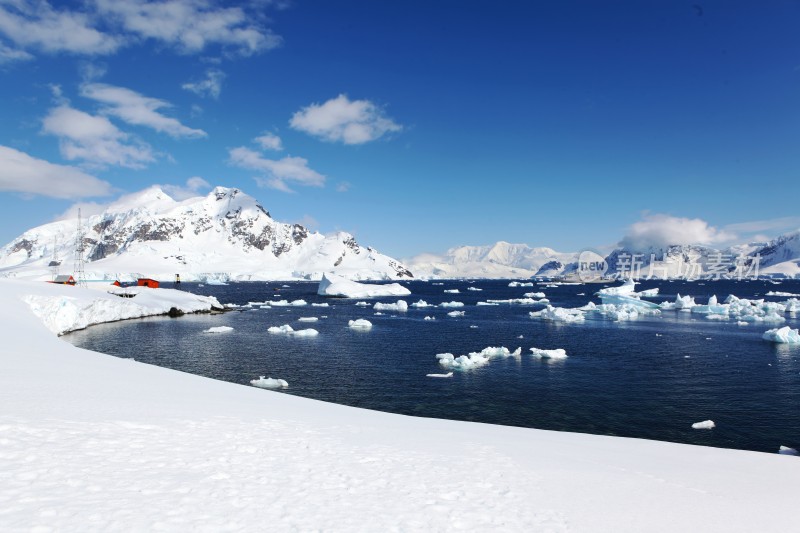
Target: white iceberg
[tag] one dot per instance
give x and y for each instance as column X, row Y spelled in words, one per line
column 520, row 284
column 475, row 359
column 784, row 335
column 333, row 285
column 429, row 318
column 517, row 301
column 448, row 375
column 785, row 450
column 452, row 291
column 360, row 323
column 400, row 305
column 559, row 314
column 451, row 304
column 269, row 383
column 286, row 329
column 626, row 289
column 474, row 289
column 307, row 319
column 362, row 304
column 486, row 303
column 286, row 303
column 705, row 424
column 323, row 304
column 558, row 353
column 534, row 295
column 422, row 303
column 680, row 303
column 456, row 313
column 219, row 329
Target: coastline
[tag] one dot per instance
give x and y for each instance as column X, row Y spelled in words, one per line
column 93, row 442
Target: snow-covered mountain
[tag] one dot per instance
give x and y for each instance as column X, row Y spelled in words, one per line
column 781, row 255
column 225, row 235
column 499, row 260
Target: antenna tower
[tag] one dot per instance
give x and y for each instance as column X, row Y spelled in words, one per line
column 80, row 275
column 55, row 262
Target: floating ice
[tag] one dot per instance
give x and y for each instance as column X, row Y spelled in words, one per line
column 359, row 324
column 286, row 329
column 285, row 303
column 456, row 313
column 269, row 383
column 785, row 450
column 320, row 305
column 705, row 424
column 475, row 359
column 452, row 291
column 400, row 305
column 451, row 304
column 422, row 303
column 681, row 302
column 448, row 375
column 518, row 301
column 534, row 295
column 520, row 284
column 742, row 323
column 648, row 292
column 474, row 289
column 473, row 327
column 778, row 293
column 307, row 319
column 362, row 304
column 219, row 329
column 559, row 314
column 626, row 289
column 784, row 335
column 558, row 353
column 429, row 318
column 485, row 303
column 332, row 285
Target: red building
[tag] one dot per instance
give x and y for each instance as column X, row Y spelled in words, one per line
column 147, row 282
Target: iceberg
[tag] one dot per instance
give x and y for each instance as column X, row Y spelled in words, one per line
column 455, row 314
column 422, row 303
column 475, row 359
column 429, row 318
column 680, row 303
column 474, row 289
column 705, row 424
column 400, row 305
column 452, row 291
column 785, row 450
column 558, row 353
column 626, row 289
column 451, row 304
column 784, row 335
column 219, row 329
column 307, row 319
column 362, row 304
column 448, row 375
column 286, row 303
column 518, row 301
column 286, row 329
column 359, row 324
column 520, row 284
column 269, row 383
column 559, row 314
column 333, row 285
column 535, row 295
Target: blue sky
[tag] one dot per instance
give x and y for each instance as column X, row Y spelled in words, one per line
column 417, row 126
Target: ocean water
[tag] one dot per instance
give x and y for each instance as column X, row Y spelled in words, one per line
column 650, row 378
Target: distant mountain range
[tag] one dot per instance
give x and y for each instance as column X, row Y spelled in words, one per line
column 225, row 235
column 228, row 235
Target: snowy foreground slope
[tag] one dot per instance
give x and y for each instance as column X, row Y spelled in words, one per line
column 225, row 235
column 91, row 442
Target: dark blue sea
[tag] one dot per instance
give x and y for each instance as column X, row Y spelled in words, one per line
column 650, row 378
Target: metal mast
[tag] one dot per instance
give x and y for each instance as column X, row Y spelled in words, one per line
column 55, row 262
column 80, row 275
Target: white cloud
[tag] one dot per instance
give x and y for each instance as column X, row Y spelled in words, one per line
column 9, row 55
column 277, row 174
column 25, row 174
column 773, row 224
column 94, row 139
column 660, row 230
column 35, row 24
column 191, row 25
column 211, row 86
column 191, row 189
column 137, row 109
column 343, row 186
column 269, row 141
column 340, row 119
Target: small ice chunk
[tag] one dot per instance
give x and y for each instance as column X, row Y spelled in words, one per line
column 452, row 291
column 520, row 284
column 286, row 329
column 451, row 304
column 362, row 304
column 473, row 327
column 448, row 375
column 534, row 295
column 784, row 335
column 429, row 318
column 400, row 305
column 559, row 314
column 486, row 303
column 422, row 303
column 558, row 353
column 360, row 323
column 705, row 424
column 324, row 304
column 307, row 319
column 456, row 313
column 785, row 450
column 269, row 383
column 306, row 333
column 332, row 285
column 219, row 329
column 742, row 323
column 474, row 289
column 285, row 303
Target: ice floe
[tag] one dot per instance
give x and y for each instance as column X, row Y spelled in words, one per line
column 451, row 304
column 422, row 303
column 784, row 335
column 307, row 319
column 475, row 359
column 452, row 291
column 448, row 375
column 429, row 318
column 474, row 289
column 705, row 424
column 286, row 303
column 559, row 314
column 518, row 301
column 534, row 295
column 558, row 353
column 456, row 313
column 286, row 329
column 520, row 284
column 269, row 383
column 332, row 285
column 785, row 450
column 362, row 304
column 360, row 323
column 399, row 305
column 778, row 293
column 219, row 329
